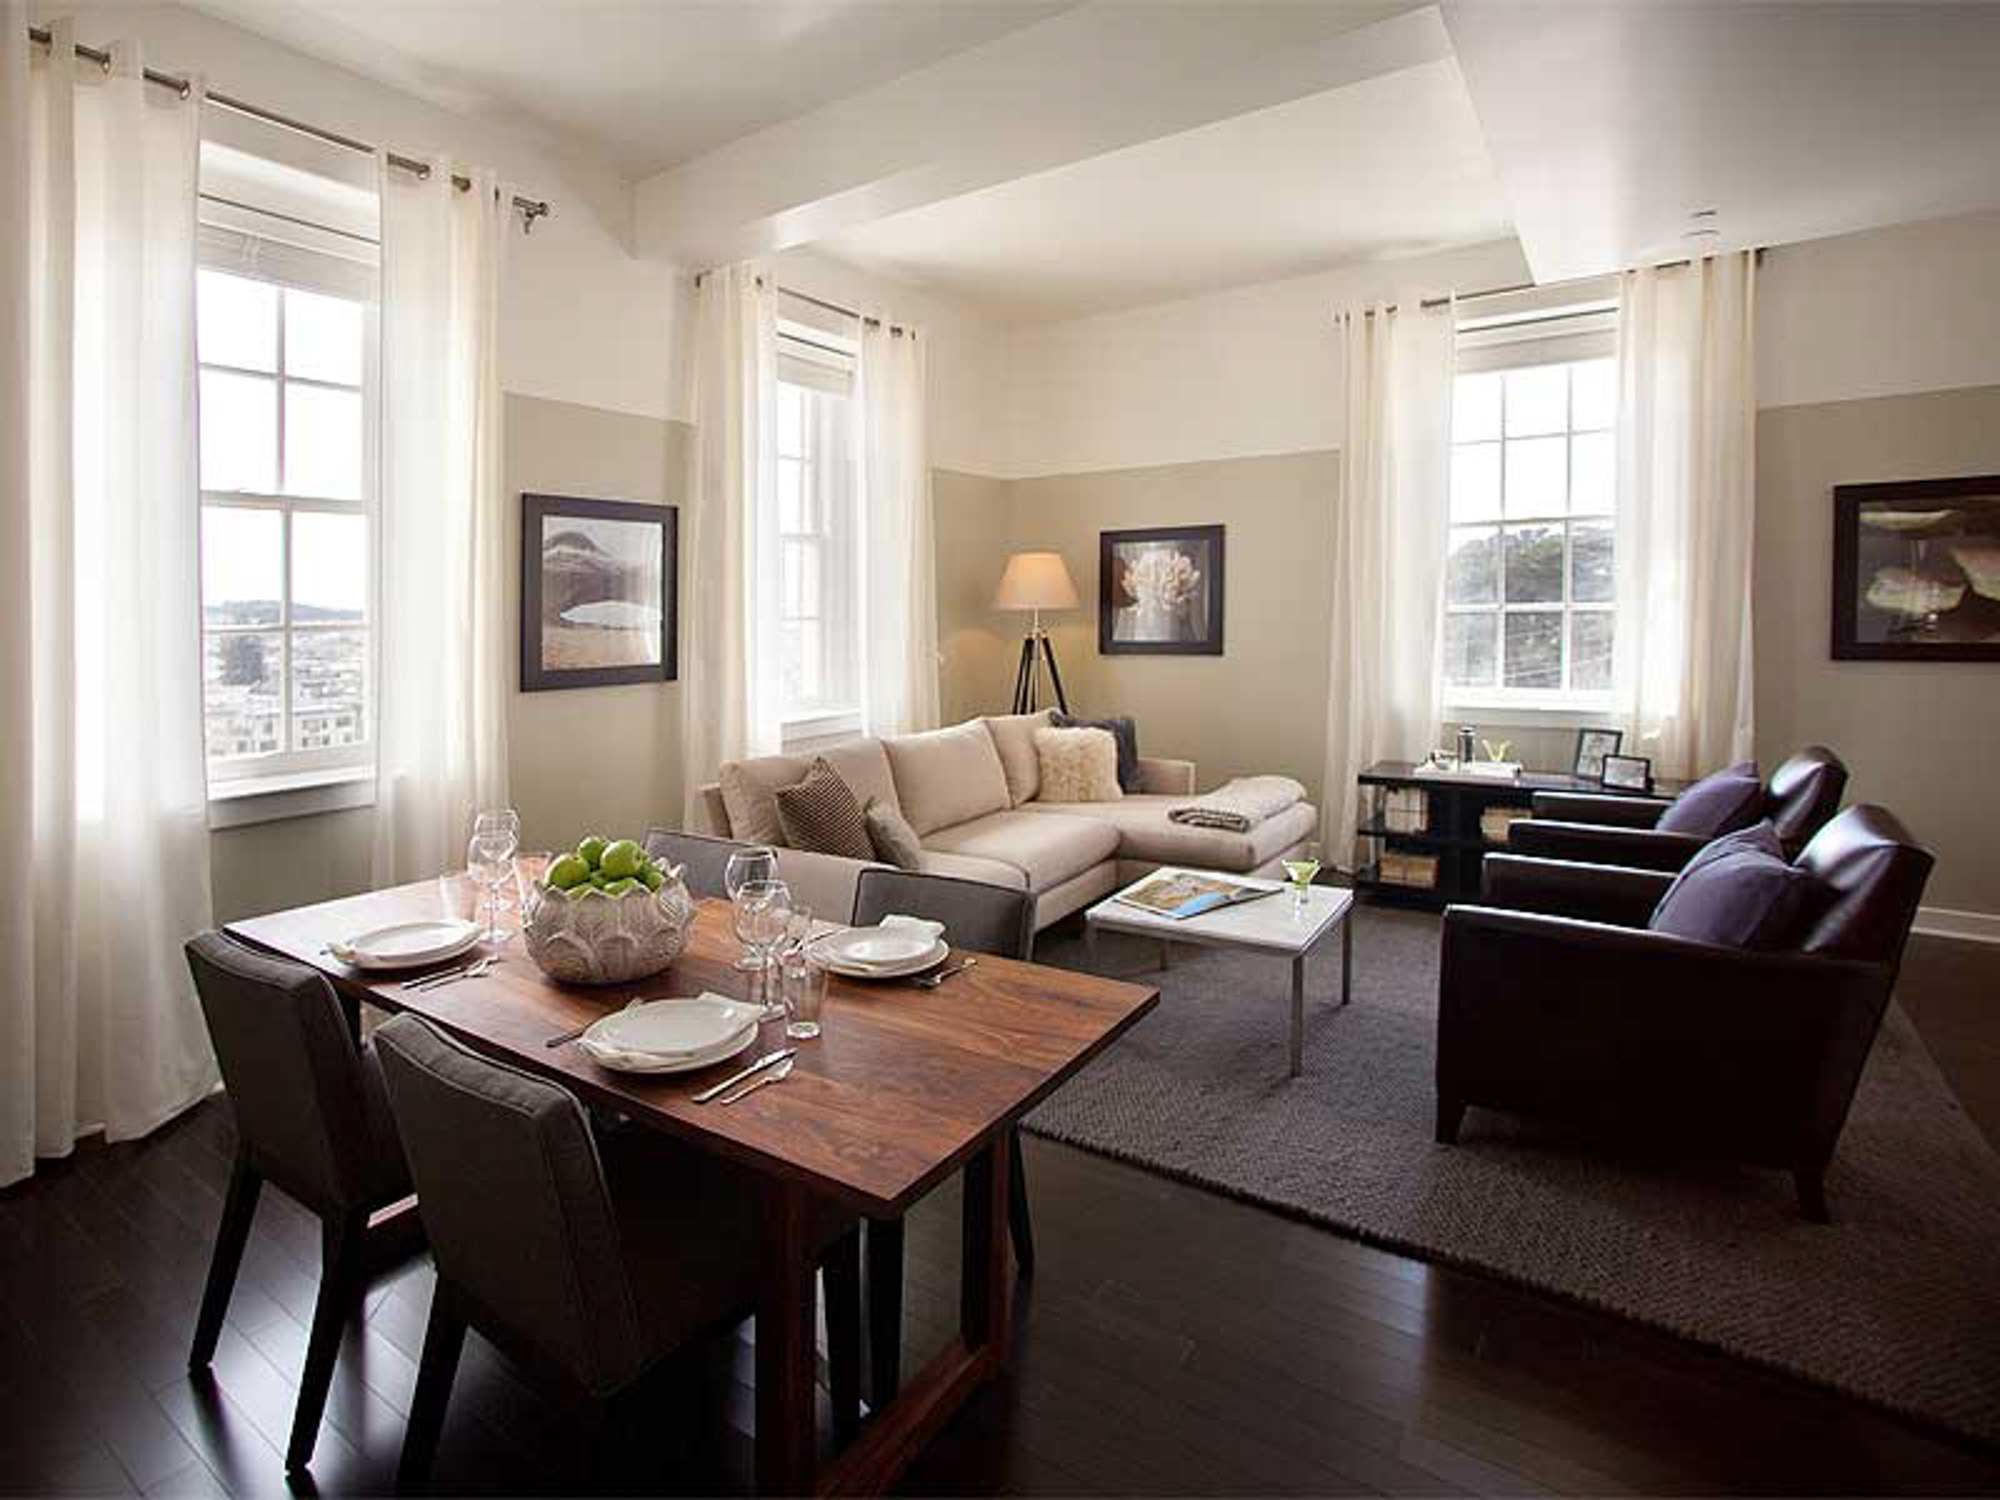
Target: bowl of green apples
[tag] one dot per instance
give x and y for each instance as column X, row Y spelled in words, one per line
column 606, row 913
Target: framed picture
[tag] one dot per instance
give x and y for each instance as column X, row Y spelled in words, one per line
column 1159, row 592
column 1592, row 745
column 598, row 586
column 1916, row 570
column 1628, row 773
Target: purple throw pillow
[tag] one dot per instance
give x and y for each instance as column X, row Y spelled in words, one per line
column 1740, row 891
column 1717, row 804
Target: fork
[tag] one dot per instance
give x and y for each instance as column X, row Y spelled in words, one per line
column 439, row 981
column 775, row 1075
column 932, row 981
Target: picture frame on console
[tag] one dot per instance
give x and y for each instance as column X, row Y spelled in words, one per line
column 1160, row 591
column 599, row 592
column 1916, row 570
column 1627, row 773
column 1592, row 746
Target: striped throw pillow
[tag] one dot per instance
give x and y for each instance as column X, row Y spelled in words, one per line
column 821, row 815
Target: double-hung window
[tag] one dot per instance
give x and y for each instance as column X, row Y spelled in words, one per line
column 1530, row 586
column 285, row 338
column 817, row 535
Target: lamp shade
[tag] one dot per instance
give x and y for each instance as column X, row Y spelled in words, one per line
column 1035, row 580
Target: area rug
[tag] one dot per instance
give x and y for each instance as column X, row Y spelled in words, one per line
column 1897, row 1302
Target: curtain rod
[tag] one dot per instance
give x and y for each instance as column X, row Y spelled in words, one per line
column 895, row 329
column 531, row 209
column 1431, row 304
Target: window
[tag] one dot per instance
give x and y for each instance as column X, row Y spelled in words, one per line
column 285, row 340
column 1530, row 598
column 816, row 528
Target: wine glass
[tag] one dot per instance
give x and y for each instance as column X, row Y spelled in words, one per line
column 489, row 860
column 745, row 866
column 1302, row 868
column 766, row 915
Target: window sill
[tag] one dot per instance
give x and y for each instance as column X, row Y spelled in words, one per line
column 818, row 729
column 1545, row 715
column 303, row 794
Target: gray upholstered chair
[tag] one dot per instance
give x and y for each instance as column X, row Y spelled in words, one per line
column 702, row 859
column 312, row 1119
column 587, row 1259
column 985, row 919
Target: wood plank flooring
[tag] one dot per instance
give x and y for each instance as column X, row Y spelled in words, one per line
column 1172, row 1342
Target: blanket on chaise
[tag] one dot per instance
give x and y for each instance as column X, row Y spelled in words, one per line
column 1241, row 804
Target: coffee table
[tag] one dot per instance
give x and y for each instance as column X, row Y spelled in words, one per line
column 1275, row 924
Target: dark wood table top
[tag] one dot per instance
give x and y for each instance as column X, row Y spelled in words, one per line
column 902, row 1085
column 1664, row 789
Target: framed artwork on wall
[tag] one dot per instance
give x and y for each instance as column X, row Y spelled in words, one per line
column 1916, row 570
column 1159, row 591
column 599, row 580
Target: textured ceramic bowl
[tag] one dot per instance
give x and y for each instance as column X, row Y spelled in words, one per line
column 598, row 939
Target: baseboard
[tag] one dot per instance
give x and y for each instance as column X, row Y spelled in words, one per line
column 1967, row 926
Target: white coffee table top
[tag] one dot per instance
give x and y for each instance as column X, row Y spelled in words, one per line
column 1274, row 924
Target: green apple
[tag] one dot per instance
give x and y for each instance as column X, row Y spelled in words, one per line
column 622, row 887
column 653, row 878
column 591, row 850
column 622, row 860
column 567, row 872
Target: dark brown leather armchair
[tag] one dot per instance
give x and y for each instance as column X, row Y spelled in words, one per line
column 1603, row 828
column 1565, row 1006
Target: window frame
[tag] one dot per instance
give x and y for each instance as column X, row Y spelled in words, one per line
column 830, row 486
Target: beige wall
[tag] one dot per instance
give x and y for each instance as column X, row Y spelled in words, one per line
column 1919, row 738
column 978, row 647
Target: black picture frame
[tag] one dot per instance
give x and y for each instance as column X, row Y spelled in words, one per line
column 1196, row 630
column 538, row 675
column 1939, row 522
column 1592, row 745
column 1627, row 773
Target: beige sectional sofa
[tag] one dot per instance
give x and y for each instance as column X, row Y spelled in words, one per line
column 971, row 794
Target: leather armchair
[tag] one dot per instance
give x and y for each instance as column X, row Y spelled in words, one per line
column 1603, row 828
column 1753, row 1056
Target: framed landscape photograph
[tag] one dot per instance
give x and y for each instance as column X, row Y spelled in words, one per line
column 598, row 587
column 1159, row 591
column 1628, row 773
column 1916, row 570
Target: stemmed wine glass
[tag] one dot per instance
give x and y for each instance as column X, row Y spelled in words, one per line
column 764, row 915
column 489, row 860
column 744, row 867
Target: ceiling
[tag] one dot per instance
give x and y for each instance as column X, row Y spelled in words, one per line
column 1390, row 166
column 645, row 83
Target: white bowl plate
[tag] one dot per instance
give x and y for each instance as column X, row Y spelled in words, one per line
column 674, row 1028
column 606, row 1056
column 408, row 945
column 835, row 960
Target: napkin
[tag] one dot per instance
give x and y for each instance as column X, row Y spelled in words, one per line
column 932, row 930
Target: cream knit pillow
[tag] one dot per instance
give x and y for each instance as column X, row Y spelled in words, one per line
column 1078, row 765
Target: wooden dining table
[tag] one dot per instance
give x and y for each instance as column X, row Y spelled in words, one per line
column 903, row 1087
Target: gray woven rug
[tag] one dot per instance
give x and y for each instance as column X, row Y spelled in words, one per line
column 1897, row 1302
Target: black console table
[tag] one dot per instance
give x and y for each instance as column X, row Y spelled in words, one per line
column 1422, row 836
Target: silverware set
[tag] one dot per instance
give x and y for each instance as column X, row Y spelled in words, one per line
column 474, row 970
column 777, row 1074
column 932, row 981
column 781, row 1058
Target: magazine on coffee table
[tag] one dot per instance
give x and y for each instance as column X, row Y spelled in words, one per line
column 1180, row 894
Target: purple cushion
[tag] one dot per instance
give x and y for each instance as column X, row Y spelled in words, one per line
column 1717, row 804
column 1739, row 891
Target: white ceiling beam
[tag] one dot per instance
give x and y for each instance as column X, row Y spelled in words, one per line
column 1095, row 79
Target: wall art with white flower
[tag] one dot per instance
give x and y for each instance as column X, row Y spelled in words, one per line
column 1160, row 591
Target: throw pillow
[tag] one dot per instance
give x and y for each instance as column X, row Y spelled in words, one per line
column 1739, row 891
column 1717, row 804
column 1078, row 765
column 894, row 839
column 1124, row 730
column 821, row 816
column 1014, row 737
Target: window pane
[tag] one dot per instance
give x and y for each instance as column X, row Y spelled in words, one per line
column 1590, row 633
column 1534, row 649
column 236, row 321
column 1475, row 409
column 242, row 566
column 1536, row 484
column 791, row 495
column 329, row 567
column 322, row 337
column 791, row 420
column 1475, row 482
column 1593, row 395
column 801, row 565
column 1537, row 400
column 242, row 680
column 1469, row 649
column 1472, row 572
column 329, row 688
column 804, row 653
column 1592, row 482
column 1591, row 576
column 322, row 443
column 239, row 432
column 1534, row 564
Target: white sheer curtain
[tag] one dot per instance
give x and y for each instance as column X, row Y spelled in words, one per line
column 1687, row 469
column 898, row 553
column 444, row 642
column 730, row 667
column 103, row 802
column 1384, row 696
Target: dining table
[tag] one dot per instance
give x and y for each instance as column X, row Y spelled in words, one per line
column 904, row 1087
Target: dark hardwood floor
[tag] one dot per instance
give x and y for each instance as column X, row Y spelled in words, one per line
column 1172, row 1342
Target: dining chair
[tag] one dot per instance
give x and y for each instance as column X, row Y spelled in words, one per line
column 588, row 1259
column 702, row 858
column 985, row 919
column 312, row 1119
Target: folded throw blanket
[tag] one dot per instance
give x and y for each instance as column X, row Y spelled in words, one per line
column 1240, row 805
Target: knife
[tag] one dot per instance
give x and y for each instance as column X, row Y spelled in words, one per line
column 767, row 1060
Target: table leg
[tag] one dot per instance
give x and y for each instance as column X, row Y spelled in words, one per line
column 1347, row 957
column 785, row 1356
column 982, row 1314
column 1090, row 946
column 1298, row 1013
column 1166, row 955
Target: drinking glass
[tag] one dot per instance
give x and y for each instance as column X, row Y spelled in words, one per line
column 489, row 860
column 766, row 916
column 805, row 995
column 744, row 867
column 1303, row 868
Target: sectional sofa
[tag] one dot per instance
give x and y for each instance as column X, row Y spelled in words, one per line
column 971, row 794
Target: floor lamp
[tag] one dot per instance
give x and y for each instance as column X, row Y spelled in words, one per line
column 1035, row 581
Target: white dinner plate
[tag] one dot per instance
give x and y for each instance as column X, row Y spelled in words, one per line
column 836, row 960
column 607, row 1056
column 674, row 1028
column 407, row 945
